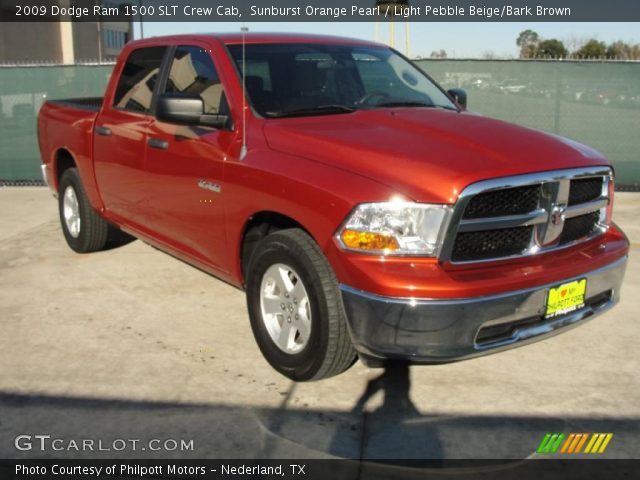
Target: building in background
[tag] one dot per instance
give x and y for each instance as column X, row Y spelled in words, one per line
column 60, row 42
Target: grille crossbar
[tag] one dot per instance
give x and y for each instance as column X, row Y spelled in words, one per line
column 527, row 214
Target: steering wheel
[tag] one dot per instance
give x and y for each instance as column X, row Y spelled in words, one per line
column 366, row 99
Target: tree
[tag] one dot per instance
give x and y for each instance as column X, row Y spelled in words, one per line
column 592, row 49
column 528, row 42
column 619, row 49
column 623, row 50
column 439, row 54
column 551, row 48
column 574, row 42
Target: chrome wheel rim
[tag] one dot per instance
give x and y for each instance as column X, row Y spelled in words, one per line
column 285, row 308
column 71, row 211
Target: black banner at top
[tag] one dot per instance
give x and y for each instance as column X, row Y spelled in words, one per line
column 320, row 10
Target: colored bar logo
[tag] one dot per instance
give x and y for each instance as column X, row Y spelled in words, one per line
column 573, row 443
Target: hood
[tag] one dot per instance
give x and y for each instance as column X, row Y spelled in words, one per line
column 427, row 154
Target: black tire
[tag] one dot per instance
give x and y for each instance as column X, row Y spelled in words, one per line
column 328, row 350
column 93, row 229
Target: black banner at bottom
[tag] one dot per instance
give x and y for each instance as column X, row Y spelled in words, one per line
column 337, row 469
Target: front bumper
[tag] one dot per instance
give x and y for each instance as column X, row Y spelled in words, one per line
column 438, row 331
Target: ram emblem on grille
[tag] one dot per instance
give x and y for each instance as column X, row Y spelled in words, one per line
column 556, row 223
column 557, row 215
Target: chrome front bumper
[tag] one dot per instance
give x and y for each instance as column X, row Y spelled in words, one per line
column 438, row 331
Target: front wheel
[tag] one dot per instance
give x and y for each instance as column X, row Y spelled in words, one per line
column 295, row 307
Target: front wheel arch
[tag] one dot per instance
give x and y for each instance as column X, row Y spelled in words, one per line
column 257, row 227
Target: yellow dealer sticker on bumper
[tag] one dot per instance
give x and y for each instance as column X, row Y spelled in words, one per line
column 566, row 298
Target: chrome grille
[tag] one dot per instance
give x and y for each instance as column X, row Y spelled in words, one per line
column 510, row 201
column 527, row 214
column 584, row 190
column 491, row 243
column 579, row 227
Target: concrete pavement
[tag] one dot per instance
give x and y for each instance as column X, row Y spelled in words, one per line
column 131, row 343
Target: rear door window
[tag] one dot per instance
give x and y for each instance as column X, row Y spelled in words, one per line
column 137, row 81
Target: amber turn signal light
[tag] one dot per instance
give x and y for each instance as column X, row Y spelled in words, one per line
column 368, row 241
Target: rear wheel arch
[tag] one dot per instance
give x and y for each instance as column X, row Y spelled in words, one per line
column 83, row 228
column 63, row 160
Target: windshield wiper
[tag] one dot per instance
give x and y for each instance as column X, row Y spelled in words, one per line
column 412, row 103
column 320, row 110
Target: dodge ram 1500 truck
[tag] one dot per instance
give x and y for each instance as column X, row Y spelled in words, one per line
column 360, row 206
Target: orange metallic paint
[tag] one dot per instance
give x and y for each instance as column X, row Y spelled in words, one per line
column 314, row 170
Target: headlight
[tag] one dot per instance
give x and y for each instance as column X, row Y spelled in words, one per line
column 608, row 217
column 396, row 228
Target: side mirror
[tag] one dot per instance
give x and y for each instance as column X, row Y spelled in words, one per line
column 459, row 95
column 185, row 109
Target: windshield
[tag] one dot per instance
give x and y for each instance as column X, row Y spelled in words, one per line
column 314, row 79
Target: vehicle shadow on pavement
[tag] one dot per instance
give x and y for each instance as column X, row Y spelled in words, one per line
column 117, row 238
column 395, row 431
column 387, row 431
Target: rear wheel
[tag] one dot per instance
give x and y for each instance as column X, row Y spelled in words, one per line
column 84, row 230
column 296, row 309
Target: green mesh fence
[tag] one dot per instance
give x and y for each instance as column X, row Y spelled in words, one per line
column 597, row 103
column 23, row 90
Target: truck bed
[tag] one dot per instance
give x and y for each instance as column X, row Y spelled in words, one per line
column 92, row 104
column 65, row 129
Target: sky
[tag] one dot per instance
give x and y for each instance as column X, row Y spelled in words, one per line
column 459, row 40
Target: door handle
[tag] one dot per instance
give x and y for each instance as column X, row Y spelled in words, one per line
column 104, row 131
column 157, row 143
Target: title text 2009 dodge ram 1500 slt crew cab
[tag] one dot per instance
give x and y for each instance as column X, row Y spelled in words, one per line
column 363, row 210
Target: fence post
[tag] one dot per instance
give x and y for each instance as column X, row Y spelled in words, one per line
column 556, row 118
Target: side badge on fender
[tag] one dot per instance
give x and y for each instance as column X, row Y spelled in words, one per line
column 214, row 187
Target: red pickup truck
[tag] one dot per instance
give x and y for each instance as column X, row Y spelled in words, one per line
column 362, row 208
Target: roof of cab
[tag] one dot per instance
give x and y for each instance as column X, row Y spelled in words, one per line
column 259, row 37
column 235, row 38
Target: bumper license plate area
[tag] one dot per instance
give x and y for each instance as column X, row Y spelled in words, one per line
column 565, row 298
